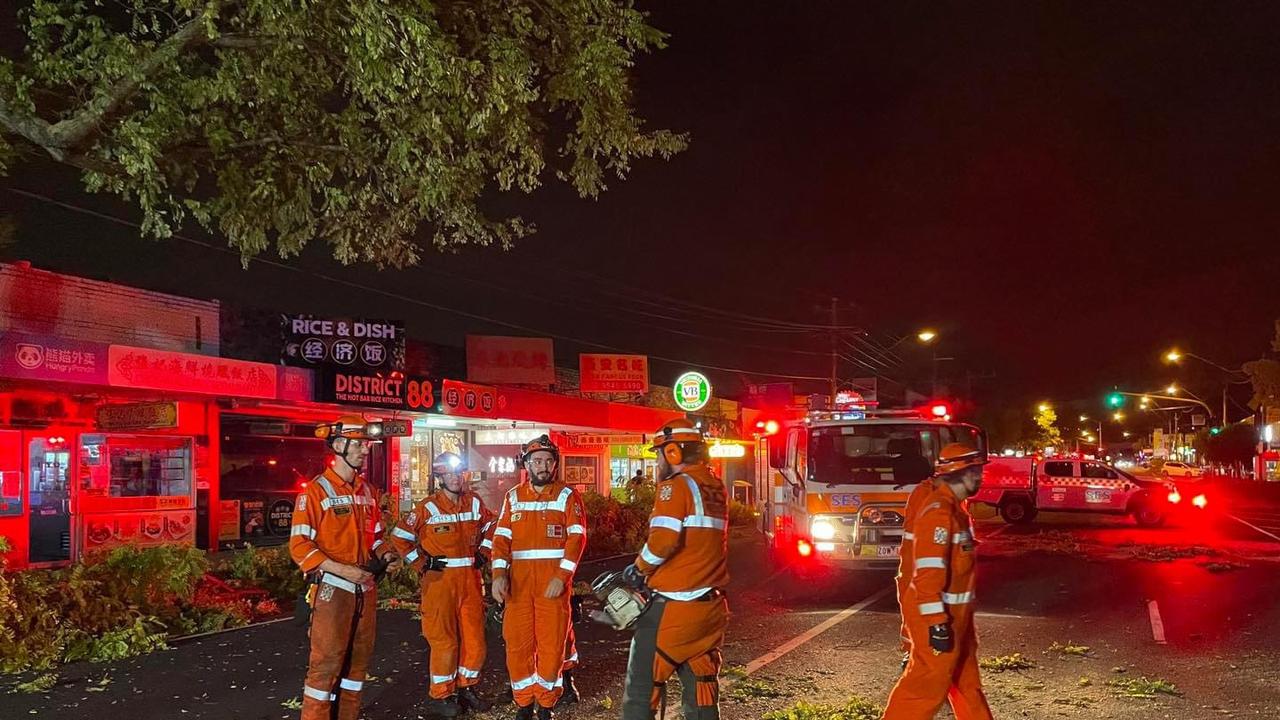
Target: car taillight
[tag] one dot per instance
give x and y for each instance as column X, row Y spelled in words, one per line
column 804, row 548
column 1200, row 501
column 1175, row 497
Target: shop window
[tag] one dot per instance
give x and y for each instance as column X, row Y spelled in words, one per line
column 10, row 473
column 581, row 471
column 135, row 466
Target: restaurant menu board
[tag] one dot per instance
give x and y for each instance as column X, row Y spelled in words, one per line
column 102, row 531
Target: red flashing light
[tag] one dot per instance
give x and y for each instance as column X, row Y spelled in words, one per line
column 767, row 427
column 804, row 548
column 1175, row 497
column 1200, row 501
column 939, row 410
column 272, row 461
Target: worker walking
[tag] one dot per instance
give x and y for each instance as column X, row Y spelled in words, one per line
column 337, row 542
column 442, row 539
column 938, row 603
column 909, row 466
column 539, row 539
column 684, row 563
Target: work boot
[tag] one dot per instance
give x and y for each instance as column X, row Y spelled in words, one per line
column 570, row 694
column 470, row 700
column 545, row 713
column 524, row 713
column 443, row 707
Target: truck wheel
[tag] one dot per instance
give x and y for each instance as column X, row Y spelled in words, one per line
column 1017, row 510
column 1147, row 516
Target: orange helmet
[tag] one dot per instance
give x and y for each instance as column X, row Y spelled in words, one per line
column 354, row 427
column 676, row 431
column 956, row 457
column 542, row 443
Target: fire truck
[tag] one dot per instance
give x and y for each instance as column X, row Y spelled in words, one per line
column 835, row 488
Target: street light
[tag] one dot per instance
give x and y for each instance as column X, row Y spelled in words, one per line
column 926, row 336
column 1172, row 389
column 1117, row 417
column 1173, row 356
column 1044, row 407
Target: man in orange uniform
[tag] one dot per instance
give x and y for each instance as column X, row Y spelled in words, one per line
column 337, row 531
column 910, row 466
column 938, row 605
column 441, row 539
column 684, row 564
column 539, row 539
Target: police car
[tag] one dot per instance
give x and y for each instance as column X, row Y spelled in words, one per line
column 1021, row 487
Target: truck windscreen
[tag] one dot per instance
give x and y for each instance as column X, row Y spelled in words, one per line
column 868, row 455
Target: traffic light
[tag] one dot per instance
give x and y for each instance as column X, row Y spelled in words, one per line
column 1215, row 430
column 1115, row 400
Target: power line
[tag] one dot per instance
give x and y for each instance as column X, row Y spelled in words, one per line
column 405, row 298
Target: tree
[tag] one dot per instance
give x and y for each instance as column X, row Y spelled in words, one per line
column 353, row 122
column 1265, row 376
column 1049, row 434
column 1235, row 445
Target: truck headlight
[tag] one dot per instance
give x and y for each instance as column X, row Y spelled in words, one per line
column 822, row 529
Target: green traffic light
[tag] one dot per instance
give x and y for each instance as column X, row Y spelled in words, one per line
column 1115, row 400
column 1215, row 431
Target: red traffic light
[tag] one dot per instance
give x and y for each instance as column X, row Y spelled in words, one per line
column 767, row 427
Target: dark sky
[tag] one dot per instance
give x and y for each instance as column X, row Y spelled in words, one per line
column 1063, row 189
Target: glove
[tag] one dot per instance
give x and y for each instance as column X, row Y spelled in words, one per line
column 905, row 657
column 377, row 567
column 480, row 561
column 631, row 575
column 433, row 563
column 940, row 638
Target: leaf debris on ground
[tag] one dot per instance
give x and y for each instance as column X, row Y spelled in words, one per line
column 1005, row 663
column 1144, row 688
column 38, row 684
column 293, row 703
column 855, row 708
column 1069, row 649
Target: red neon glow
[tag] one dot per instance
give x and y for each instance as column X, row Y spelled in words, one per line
column 804, row 548
column 1200, row 501
column 1175, row 497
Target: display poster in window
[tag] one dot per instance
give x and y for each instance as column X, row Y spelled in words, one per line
column 228, row 520
column 357, row 344
column 102, row 531
column 253, row 519
column 580, row 472
column 281, row 518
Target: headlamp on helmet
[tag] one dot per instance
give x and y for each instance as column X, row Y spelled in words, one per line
column 542, row 443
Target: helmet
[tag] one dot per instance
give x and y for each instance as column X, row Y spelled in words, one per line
column 353, row 427
column 447, row 462
column 542, row 443
column 956, row 457
column 672, row 439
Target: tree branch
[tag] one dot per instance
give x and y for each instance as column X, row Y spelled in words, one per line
column 81, row 128
column 28, row 126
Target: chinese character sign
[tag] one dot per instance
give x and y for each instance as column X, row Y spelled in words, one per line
column 162, row 370
column 613, row 373
column 41, row 357
column 510, row 360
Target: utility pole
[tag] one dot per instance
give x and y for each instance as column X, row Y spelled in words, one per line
column 835, row 312
column 1224, row 407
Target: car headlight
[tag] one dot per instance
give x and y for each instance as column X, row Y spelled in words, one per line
column 822, row 530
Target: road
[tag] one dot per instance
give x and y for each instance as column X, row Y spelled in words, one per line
column 1195, row 608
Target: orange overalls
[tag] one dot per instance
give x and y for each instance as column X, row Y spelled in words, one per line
column 684, row 561
column 452, row 604
column 906, row 556
column 339, row 521
column 941, row 591
column 540, row 535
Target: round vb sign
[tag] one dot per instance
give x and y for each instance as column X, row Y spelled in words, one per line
column 692, row 391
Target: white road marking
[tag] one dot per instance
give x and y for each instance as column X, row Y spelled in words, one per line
column 1255, row 527
column 806, row 636
column 1157, row 625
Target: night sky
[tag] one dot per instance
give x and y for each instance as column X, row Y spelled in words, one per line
column 1062, row 189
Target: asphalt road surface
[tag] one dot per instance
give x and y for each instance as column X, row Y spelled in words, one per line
column 1092, row 605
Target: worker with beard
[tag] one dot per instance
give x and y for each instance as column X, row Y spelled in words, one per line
column 539, row 539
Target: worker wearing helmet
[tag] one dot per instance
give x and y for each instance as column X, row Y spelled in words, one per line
column 336, row 536
column 909, row 466
column 444, row 539
column 537, row 544
column 938, row 606
column 684, row 563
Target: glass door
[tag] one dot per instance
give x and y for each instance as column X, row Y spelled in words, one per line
column 49, row 494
